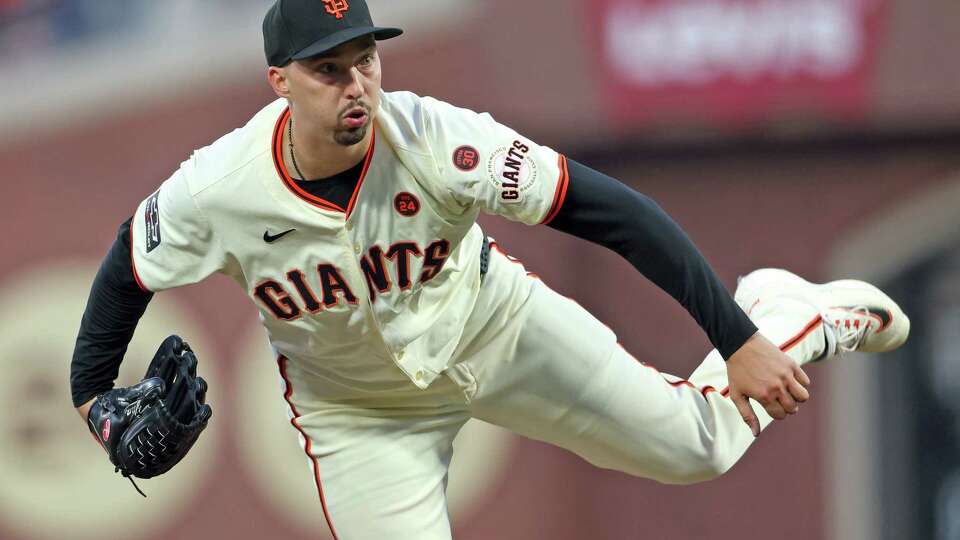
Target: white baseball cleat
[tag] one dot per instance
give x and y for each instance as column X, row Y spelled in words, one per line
column 863, row 317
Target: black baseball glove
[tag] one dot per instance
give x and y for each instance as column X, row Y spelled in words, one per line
column 148, row 428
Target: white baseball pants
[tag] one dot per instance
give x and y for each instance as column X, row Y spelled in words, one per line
column 540, row 365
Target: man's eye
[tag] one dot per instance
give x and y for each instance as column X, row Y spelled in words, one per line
column 366, row 60
column 327, row 68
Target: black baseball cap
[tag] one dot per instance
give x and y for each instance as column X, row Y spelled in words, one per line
column 298, row 29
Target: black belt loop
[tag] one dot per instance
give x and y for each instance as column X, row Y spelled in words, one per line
column 484, row 256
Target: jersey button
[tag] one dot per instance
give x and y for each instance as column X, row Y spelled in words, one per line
column 349, row 226
column 400, row 355
column 356, row 249
column 419, row 375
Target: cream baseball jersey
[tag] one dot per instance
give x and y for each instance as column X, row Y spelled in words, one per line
column 348, row 292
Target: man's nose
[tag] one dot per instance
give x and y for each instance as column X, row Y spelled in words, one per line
column 354, row 88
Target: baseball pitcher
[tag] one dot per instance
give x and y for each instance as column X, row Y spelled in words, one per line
column 349, row 216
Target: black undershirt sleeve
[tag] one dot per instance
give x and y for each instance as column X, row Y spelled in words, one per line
column 114, row 307
column 601, row 210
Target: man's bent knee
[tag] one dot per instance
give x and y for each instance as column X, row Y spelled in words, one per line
column 694, row 475
column 693, row 469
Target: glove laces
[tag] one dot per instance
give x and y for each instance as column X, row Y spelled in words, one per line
column 130, row 478
column 135, row 409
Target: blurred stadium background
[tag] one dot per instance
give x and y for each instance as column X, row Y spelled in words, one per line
column 819, row 135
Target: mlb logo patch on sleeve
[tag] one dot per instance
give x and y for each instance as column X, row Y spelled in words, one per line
column 151, row 219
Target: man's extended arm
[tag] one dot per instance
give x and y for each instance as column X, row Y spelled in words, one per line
column 604, row 211
column 114, row 307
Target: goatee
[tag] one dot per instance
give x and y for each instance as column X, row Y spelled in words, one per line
column 350, row 137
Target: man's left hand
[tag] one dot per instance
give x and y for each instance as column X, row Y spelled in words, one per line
column 761, row 371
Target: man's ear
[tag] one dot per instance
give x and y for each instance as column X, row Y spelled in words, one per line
column 277, row 77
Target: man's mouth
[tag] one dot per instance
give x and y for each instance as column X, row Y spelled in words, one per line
column 356, row 117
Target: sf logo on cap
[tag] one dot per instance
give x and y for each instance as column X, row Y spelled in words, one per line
column 337, row 7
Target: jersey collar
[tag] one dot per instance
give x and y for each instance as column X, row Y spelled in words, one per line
column 299, row 192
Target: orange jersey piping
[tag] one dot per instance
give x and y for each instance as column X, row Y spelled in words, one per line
column 282, row 362
column 560, row 194
column 133, row 263
column 363, row 173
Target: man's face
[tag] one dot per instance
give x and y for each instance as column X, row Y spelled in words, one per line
column 339, row 91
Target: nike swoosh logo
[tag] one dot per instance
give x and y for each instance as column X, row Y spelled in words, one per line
column 268, row 238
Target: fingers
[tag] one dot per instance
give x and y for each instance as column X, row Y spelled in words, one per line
column 167, row 348
column 775, row 409
column 746, row 412
column 794, row 391
column 176, row 399
column 174, row 343
column 203, row 415
column 191, row 361
column 147, row 389
column 801, row 376
column 201, row 390
column 187, row 391
column 786, row 399
column 797, row 391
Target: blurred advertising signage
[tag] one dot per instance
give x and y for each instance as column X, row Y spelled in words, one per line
column 735, row 61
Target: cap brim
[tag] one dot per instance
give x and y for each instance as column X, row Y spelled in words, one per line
column 343, row 36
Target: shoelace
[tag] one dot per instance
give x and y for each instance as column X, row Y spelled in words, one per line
column 852, row 329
